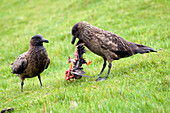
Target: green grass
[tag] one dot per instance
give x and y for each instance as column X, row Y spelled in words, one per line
column 136, row 84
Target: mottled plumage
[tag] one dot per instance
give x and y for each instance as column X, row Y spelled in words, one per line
column 106, row 44
column 32, row 62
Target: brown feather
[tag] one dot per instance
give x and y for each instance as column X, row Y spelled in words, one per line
column 20, row 64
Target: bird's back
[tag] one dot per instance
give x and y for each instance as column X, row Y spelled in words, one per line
column 100, row 41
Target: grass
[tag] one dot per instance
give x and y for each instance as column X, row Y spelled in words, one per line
column 136, row 84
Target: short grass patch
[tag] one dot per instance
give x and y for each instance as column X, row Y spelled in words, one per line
column 136, row 84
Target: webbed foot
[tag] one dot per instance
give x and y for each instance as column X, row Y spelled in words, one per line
column 101, row 79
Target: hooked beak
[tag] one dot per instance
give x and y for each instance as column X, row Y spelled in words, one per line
column 44, row 40
column 73, row 39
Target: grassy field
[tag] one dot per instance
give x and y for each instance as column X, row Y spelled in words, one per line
column 136, row 84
